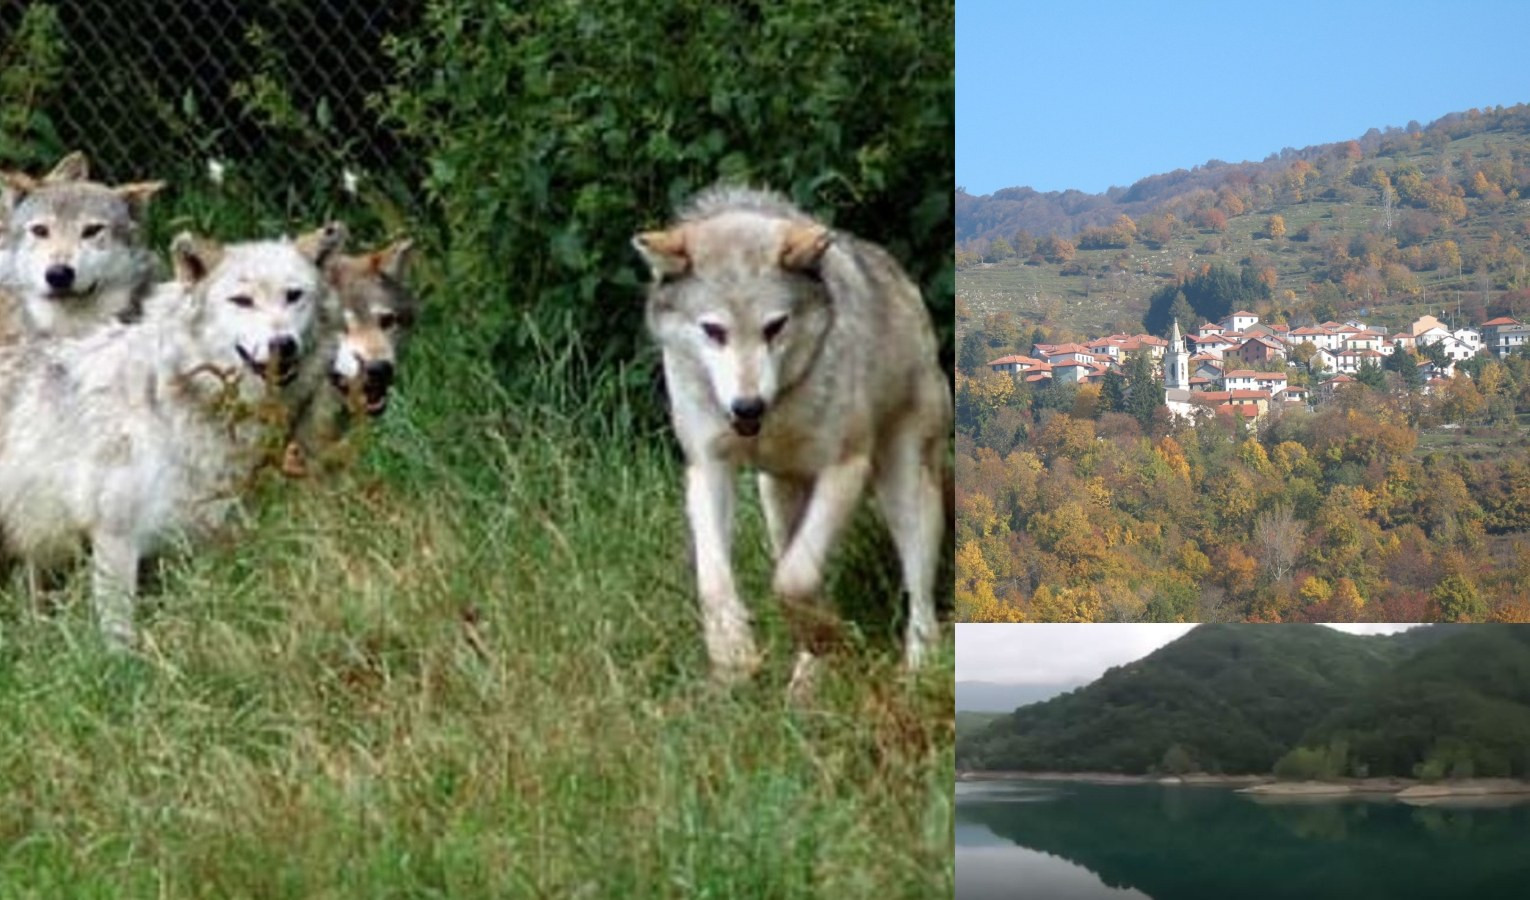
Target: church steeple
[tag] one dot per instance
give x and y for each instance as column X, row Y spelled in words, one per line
column 1176, row 364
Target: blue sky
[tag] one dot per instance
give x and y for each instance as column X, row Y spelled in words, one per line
column 1057, row 95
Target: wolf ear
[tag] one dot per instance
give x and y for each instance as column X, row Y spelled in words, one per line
column 194, row 257
column 392, row 260
column 74, row 167
column 665, row 253
column 321, row 243
column 14, row 188
column 137, row 196
column 803, row 246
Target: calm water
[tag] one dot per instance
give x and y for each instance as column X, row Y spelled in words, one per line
column 1063, row 841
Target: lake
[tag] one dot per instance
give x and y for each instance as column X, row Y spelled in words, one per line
column 1069, row 841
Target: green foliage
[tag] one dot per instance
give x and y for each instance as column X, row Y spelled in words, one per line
column 31, row 66
column 1211, row 294
column 1304, row 701
column 553, row 133
column 1177, row 761
column 1240, row 695
column 1144, row 389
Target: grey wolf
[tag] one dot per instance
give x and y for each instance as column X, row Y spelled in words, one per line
column 72, row 251
column 137, row 435
column 807, row 354
column 378, row 313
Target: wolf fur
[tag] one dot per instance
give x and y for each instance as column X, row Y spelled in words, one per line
column 807, row 354
column 378, row 313
column 72, row 253
column 135, row 435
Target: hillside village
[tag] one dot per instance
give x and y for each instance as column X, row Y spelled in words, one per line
column 1241, row 367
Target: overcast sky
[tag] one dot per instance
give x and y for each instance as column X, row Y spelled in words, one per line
column 1061, row 654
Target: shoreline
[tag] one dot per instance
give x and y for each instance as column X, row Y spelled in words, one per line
column 1406, row 790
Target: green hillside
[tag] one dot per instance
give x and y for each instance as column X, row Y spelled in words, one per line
column 1239, row 698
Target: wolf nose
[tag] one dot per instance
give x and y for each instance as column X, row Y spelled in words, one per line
column 284, row 349
column 379, row 374
column 750, row 408
column 59, row 277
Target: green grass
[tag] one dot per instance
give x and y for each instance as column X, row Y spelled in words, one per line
column 468, row 665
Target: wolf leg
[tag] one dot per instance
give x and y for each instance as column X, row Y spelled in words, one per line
column 783, row 500
column 799, row 574
column 724, row 619
column 114, row 582
column 909, row 493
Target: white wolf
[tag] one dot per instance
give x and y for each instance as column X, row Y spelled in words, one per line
column 138, row 434
column 72, row 253
column 808, row 354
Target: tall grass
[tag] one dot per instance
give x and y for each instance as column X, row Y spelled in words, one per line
column 467, row 664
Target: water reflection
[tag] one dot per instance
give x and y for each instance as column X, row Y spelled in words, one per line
column 1065, row 840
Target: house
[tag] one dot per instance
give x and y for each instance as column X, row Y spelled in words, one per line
column 1431, row 371
column 1204, row 365
column 1456, row 349
column 1316, row 335
column 1504, row 335
column 1292, row 394
column 1248, row 404
column 1350, row 361
column 1015, row 364
column 1215, row 344
column 1365, row 339
column 1257, row 350
column 1240, row 320
column 1240, row 379
column 1471, row 337
column 1338, row 382
column 1425, row 324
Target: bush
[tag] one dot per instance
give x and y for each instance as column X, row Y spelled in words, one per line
column 555, row 132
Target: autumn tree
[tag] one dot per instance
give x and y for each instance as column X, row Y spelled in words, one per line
column 1275, row 227
column 1458, row 600
column 1278, row 541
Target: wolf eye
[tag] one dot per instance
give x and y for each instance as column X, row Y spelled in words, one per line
column 386, row 321
column 716, row 332
column 39, row 230
column 294, row 295
column 92, row 230
column 244, row 300
column 773, row 328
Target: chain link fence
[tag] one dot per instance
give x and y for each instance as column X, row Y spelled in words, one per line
column 521, row 143
column 284, row 93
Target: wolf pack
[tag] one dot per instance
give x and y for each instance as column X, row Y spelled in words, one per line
column 140, row 397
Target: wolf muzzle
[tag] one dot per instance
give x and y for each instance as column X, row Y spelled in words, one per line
column 375, row 380
column 281, row 361
column 746, row 415
column 61, row 281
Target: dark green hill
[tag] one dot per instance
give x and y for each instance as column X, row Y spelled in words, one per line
column 1458, row 707
column 1236, row 698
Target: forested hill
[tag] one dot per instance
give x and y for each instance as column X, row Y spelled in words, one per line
column 1250, row 698
column 1066, row 213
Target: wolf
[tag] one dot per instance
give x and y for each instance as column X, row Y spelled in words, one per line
column 379, row 313
column 808, row 354
column 136, row 435
column 73, row 255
